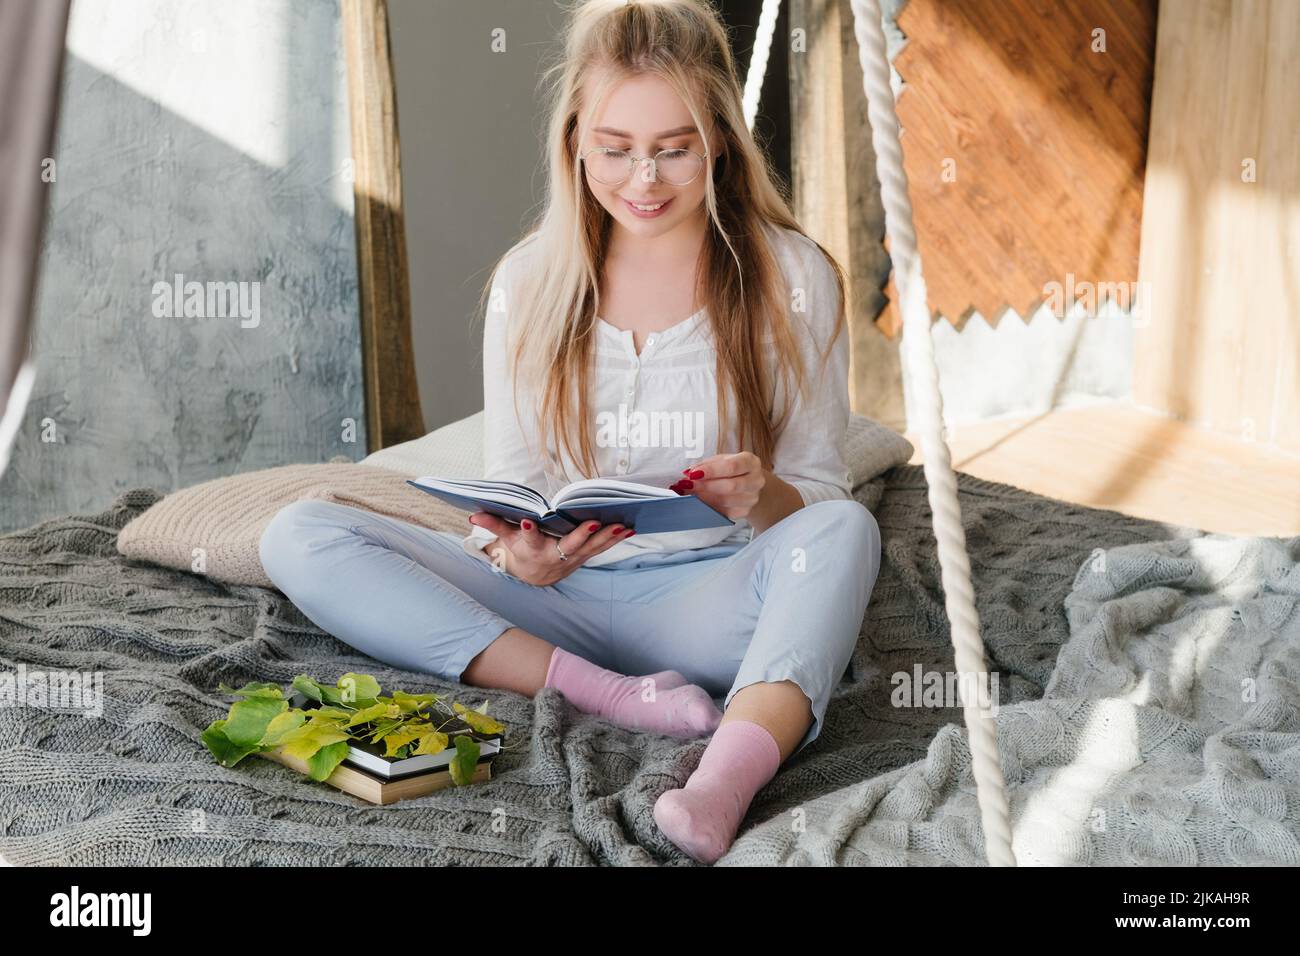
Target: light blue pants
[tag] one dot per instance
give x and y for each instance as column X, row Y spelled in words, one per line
column 786, row 606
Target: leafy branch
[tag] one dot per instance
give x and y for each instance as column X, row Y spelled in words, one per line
column 351, row 713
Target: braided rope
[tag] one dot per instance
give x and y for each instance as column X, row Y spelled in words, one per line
column 918, row 347
column 758, row 59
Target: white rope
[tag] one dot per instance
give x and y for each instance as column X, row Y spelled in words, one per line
column 918, row 348
column 758, row 60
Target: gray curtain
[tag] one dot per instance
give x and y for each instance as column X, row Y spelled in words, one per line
column 31, row 60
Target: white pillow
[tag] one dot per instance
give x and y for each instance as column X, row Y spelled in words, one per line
column 456, row 451
column 452, row 451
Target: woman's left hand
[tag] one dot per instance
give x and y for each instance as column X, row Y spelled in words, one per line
column 731, row 484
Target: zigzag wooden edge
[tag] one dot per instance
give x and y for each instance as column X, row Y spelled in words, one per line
column 1109, row 246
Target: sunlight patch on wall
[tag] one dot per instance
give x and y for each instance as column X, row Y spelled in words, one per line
column 219, row 66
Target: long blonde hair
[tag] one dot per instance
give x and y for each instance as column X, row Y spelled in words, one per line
column 739, row 280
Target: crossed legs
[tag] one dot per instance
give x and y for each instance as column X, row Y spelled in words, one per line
column 772, row 626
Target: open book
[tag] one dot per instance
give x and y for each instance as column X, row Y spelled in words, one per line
column 643, row 503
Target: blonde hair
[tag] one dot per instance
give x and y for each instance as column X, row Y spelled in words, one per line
column 738, row 281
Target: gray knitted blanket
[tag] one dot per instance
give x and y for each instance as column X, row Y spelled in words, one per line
column 136, row 785
column 1169, row 733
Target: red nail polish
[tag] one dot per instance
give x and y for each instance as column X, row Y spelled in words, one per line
column 686, row 471
column 685, row 484
column 697, row 473
column 618, row 529
column 629, row 534
column 528, row 526
column 593, row 527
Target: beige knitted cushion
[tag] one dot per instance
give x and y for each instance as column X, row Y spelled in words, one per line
column 215, row 528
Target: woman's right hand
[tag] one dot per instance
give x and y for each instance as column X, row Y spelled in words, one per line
column 531, row 556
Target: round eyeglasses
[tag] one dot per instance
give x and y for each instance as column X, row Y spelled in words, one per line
column 614, row 167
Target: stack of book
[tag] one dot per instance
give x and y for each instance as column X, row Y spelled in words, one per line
column 366, row 773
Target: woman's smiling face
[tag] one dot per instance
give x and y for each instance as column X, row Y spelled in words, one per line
column 643, row 115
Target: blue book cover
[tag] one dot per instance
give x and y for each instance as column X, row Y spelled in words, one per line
column 641, row 502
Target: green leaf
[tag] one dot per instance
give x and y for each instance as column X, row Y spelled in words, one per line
column 249, row 718
column 304, row 742
column 466, row 759
column 331, row 714
column 281, row 726
column 309, row 688
column 254, row 690
column 227, row 753
column 383, row 728
column 431, row 742
column 357, row 689
column 478, row 721
column 371, row 714
column 409, row 703
column 399, row 739
column 322, row 763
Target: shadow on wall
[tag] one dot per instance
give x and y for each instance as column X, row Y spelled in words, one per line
column 130, row 394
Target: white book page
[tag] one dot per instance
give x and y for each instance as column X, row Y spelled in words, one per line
column 591, row 491
column 501, row 492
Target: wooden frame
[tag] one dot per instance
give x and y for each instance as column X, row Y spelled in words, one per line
column 392, row 392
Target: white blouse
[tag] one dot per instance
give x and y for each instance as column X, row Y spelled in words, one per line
column 655, row 412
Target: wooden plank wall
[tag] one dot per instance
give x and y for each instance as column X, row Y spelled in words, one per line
column 1024, row 144
column 1221, row 234
column 1047, row 139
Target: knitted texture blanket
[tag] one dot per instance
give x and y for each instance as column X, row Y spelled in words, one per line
column 135, row 785
column 1169, row 733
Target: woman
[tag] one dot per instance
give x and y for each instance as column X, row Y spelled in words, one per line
column 660, row 207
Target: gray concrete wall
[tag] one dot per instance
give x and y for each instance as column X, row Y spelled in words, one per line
column 206, row 139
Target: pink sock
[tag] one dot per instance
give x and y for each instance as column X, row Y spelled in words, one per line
column 664, row 680
column 679, row 710
column 702, row 818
